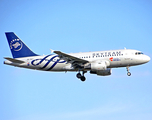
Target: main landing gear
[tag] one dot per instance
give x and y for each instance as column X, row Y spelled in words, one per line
column 79, row 76
column 128, row 73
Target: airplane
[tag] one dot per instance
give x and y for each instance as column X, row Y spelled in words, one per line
column 99, row 62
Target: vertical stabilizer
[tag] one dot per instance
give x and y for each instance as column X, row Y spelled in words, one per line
column 17, row 47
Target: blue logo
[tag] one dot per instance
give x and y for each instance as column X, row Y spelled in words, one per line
column 52, row 59
column 16, row 45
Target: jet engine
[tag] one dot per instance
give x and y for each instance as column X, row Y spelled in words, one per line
column 99, row 65
column 102, row 72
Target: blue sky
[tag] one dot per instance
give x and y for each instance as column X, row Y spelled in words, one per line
column 76, row 26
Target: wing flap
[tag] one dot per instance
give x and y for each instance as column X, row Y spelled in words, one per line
column 14, row 60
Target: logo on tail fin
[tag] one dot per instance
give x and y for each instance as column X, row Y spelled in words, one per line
column 16, row 45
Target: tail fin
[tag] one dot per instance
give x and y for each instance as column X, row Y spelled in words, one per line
column 18, row 48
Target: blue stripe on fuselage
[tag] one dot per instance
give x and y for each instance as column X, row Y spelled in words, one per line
column 53, row 65
column 48, row 61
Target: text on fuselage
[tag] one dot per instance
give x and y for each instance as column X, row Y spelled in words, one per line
column 107, row 54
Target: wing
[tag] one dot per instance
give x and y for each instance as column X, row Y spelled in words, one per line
column 75, row 61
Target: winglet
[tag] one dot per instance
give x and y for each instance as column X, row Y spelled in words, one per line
column 52, row 51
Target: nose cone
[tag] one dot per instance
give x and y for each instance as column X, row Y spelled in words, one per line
column 146, row 59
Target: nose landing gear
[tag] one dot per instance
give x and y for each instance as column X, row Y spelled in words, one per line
column 128, row 73
column 82, row 77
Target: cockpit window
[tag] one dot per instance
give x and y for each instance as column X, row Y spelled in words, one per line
column 139, row 53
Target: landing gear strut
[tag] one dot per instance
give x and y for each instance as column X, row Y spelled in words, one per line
column 128, row 73
column 79, row 76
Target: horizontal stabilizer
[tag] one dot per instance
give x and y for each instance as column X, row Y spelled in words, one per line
column 14, row 60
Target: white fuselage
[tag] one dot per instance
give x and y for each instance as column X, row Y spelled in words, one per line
column 115, row 58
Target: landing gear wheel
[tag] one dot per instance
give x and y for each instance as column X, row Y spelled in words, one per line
column 83, row 78
column 129, row 74
column 79, row 75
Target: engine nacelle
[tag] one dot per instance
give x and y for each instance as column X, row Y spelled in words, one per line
column 102, row 72
column 99, row 65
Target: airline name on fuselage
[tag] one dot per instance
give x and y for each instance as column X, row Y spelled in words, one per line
column 107, row 54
